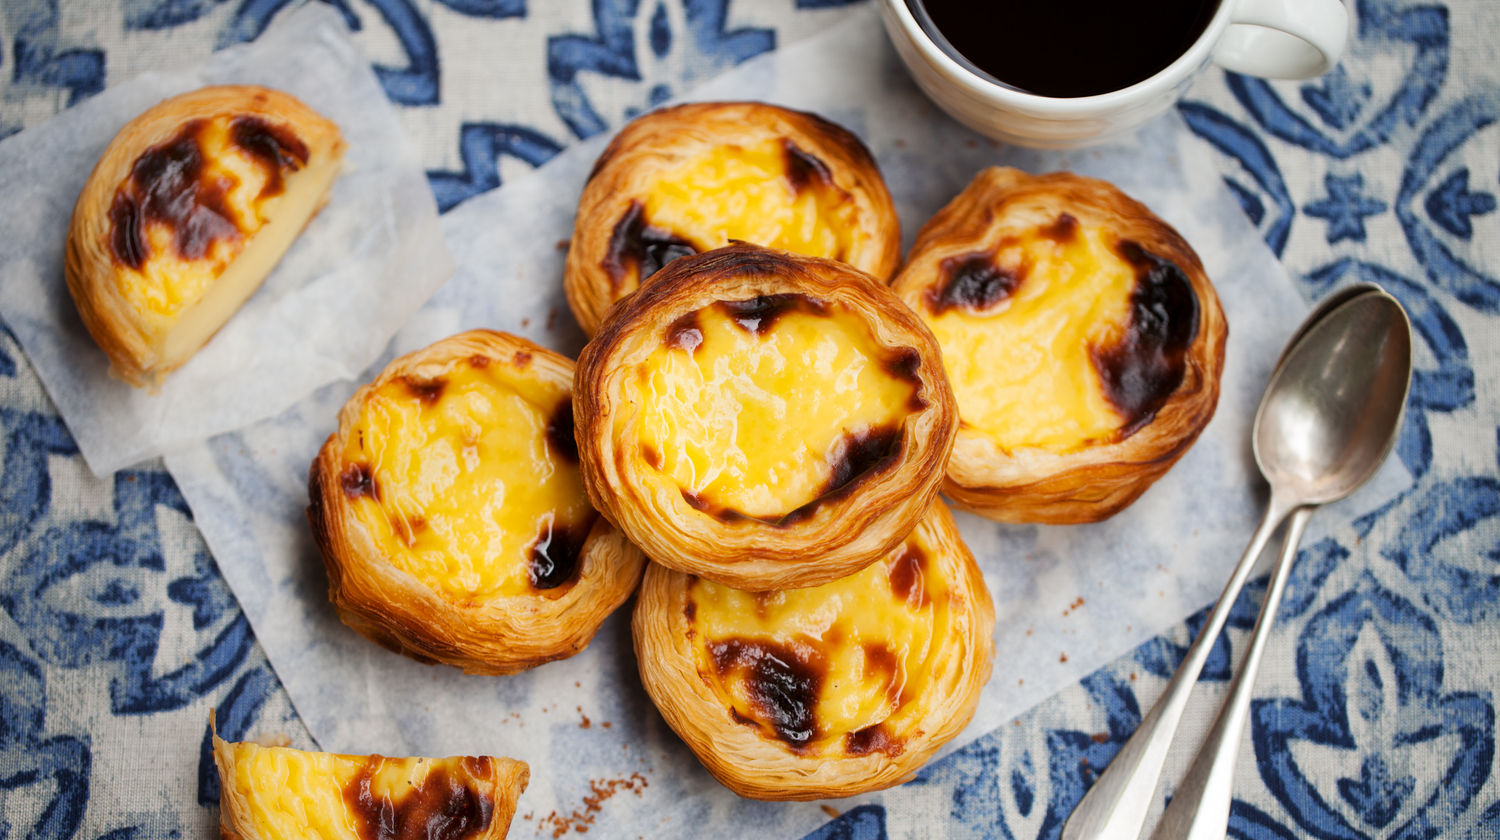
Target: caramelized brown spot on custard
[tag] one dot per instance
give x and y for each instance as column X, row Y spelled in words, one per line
column 167, row 185
column 1062, row 230
column 858, row 455
column 904, row 364
column 781, row 682
column 1142, row 370
column 276, row 148
column 554, row 555
column 479, row 362
column 521, row 360
column 560, row 436
column 651, row 456
column 635, row 244
column 407, row 527
column 873, row 739
column 759, row 314
column 882, row 660
column 690, row 611
column 357, row 480
column 906, row 575
column 972, row 282
column 855, row 458
column 429, row 391
column 684, row 333
column 804, row 170
column 441, row 807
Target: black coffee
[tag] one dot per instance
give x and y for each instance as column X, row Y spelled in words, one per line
column 1065, row 48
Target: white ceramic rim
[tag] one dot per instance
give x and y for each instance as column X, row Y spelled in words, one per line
column 1183, row 67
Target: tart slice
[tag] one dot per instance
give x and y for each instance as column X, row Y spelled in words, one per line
column 836, row 690
column 190, row 207
column 1082, row 337
column 762, row 419
column 691, row 178
column 451, row 514
column 278, row 793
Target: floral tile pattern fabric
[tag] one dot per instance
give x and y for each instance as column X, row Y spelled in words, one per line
column 1375, row 713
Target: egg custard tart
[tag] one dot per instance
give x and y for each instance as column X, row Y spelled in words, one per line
column 451, row 514
column 691, row 178
column 1082, row 337
column 278, row 793
column 834, row 690
column 188, row 210
column 763, row 419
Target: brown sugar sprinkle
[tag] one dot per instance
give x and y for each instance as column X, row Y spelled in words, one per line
column 600, row 791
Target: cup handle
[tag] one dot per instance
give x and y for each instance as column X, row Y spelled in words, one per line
column 1283, row 39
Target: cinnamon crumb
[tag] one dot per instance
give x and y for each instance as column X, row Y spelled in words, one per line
column 831, row 811
column 586, row 724
column 562, row 244
column 525, row 322
column 600, row 791
column 1063, row 658
column 1099, row 737
column 551, row 317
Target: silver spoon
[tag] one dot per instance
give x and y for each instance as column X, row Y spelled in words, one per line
column 1115, row 807
column 1327, row 422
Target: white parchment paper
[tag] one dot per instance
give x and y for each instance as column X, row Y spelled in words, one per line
column 357, row 272
column 1068, row 599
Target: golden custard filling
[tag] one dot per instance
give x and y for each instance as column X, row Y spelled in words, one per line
column 772, row 194
column 192, row 207
column 760, row 408
column 296, row 794
column 469, row 481
column 838, row 669
column 1060, row 338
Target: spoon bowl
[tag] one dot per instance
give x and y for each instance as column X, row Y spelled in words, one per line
column 1330, row 412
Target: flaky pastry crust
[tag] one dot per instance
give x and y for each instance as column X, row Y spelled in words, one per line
column 678, row 658
column 1101, row 477
column 109, row 239
column 279, row 793
column 501, row 634
column 847, row 527
column 819, row 154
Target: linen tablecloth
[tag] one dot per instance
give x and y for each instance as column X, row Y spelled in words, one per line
column 1375, row 712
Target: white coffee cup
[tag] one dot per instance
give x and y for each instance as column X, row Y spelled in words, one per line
column 1277, row 39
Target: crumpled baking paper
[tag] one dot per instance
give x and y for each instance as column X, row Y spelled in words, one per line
column 1068, row 599
column 358, row 271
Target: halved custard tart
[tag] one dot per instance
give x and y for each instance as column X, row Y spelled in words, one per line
column 452, row 516
column 834, row 690
column 763, row 419
column 279, row 793
column 1082, row 337
column 691, row 178
column 190, row 207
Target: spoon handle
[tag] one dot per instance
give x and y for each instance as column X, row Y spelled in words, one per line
column 1115, row 807
column 1200, row 808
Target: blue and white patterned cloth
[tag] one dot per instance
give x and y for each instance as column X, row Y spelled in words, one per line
column 1375, row 716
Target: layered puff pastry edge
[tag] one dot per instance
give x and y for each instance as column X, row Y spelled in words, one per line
column 1081, row 334
column 187, row 211
column 831, row 691
column 763, row 419
column 279, row 793
column 451, row 516
column 690, row 178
